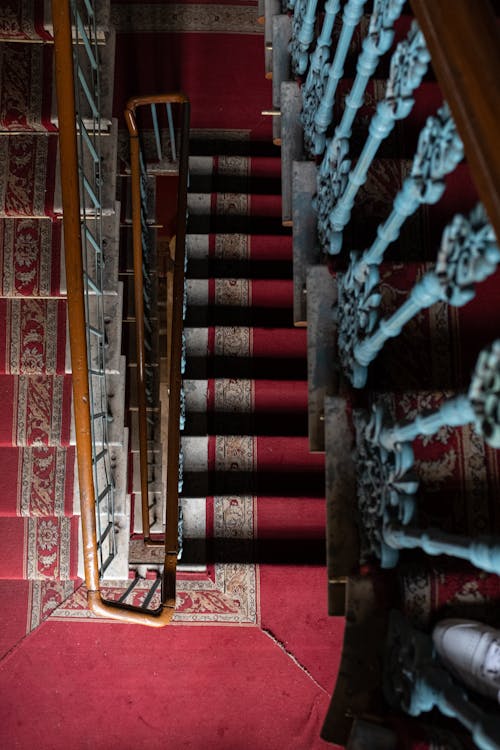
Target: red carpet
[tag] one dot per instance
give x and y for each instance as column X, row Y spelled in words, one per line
column 30, row 257
column 234, row 689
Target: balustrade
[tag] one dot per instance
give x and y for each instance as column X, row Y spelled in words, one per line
column 387, row 485
column 304, row 19
column 338, row 184
column 438, row 152
column 415, row 681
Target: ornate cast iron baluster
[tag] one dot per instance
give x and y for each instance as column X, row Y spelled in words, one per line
column 416, row 682
column 387, row 488
column 482, row 551
column 438, row 152
column 468, row 254
column 323, row 76
column 408, row 66
column 304, row 19
column 378, row 42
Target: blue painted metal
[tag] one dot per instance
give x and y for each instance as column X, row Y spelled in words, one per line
column 439, row 150
column 304, row 19
column 335, row 197
column 313, row 89
column 387, row 486
column 171, row 131
column 415, row 680
column 468, row 254
column 482, row 551
column 156, row 131
column 484, row 394
column 323, row 116
column 408, row 66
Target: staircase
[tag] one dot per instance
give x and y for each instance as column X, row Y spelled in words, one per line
column 252, row 492
column 380, row 177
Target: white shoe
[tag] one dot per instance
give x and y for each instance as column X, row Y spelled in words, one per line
column 471, row 651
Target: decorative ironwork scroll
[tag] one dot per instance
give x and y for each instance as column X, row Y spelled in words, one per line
column 469, row 253
column 304, row 19
column 439, row 150
column 387, row 487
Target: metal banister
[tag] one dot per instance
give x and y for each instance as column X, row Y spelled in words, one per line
column 64, row 73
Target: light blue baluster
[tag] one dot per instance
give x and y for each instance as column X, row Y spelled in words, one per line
column 180, row 532
column 182, row 415
column 318, row 93
column 171, row 131
column 358, row 300
column 455, row 412
column 184, row 353
column 156, row 130
column 332, row 174
column 304, row 19
column 377, row 43
column 468, row 255
column 481, row 406
column 483, row 552
column 438, row 152
column 180, row 483
column 408, row 66
column 314, row 86
column 415, row 681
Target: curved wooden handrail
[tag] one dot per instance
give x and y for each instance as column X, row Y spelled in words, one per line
column 463, row 38
column 135, row 176
column 78, row 342
column 175, row 339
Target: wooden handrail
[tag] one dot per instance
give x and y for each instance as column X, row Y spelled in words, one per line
column 174, row 342
column 463, row 38
column 78, row 341
column 135, row 175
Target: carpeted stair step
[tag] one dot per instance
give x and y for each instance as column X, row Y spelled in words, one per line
column 234, row 212
column 31, row 258
column 30, row 168
column 36, row 410
column 239, row 255
column 234, row 174
column 27, row 91
column 26, row 87
column 37, row 481
column 32, row 187
column 32, row 336
column 251, row 465
column 31, row 21
column 259, row 407
column 241, row 351
column 39, row 548
column 239, row 301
